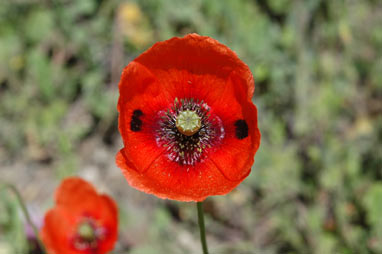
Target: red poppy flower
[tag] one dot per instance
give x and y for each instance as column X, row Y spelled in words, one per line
column 82, row 221
column 187, row 121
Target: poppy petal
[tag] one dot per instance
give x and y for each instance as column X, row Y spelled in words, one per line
column 138, row 106
column 198, row 55
column 109, row 220
column 81, row 188
column 234, row 157
column 167, row 179
column 58, row 225
column 175, row 83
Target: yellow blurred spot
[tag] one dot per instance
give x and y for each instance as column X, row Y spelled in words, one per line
column 133, row 24
column 130, row 13
column 362, row 127
column 345, row 33
column 16, row 63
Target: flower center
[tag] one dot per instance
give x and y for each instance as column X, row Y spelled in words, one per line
column 86, row 231
column 187, row 129
column 88, row 235
column 188, row 122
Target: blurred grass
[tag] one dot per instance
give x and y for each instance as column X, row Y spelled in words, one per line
column 316, row 186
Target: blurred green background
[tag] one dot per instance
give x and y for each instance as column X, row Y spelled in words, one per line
column 316, row 185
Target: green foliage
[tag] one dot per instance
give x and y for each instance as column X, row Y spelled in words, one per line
column 14, row 241
column 316, row 183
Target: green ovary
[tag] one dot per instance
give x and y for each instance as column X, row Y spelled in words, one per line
column 188, row 122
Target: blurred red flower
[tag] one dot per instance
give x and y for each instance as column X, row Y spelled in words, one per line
column 82, row 220
column 187, row 121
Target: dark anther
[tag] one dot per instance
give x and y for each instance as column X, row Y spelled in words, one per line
column 241, row 130
column 136, row 123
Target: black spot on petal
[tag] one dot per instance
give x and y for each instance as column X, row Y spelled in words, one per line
column 241, row 130
column 136, row 122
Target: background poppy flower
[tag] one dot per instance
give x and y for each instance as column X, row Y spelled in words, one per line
column 187, row 121
column 82, row 220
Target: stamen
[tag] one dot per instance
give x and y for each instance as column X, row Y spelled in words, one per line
column 186, row 129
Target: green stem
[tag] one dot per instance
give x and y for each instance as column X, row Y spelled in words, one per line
column 13, row 189
column 202, row 227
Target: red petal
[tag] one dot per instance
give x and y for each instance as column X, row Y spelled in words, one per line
column 198, row 55
column 139, row 91
column 59, row 225
column 108, row 218
column 234, row 157
column 167, row 179
column 73, row 190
